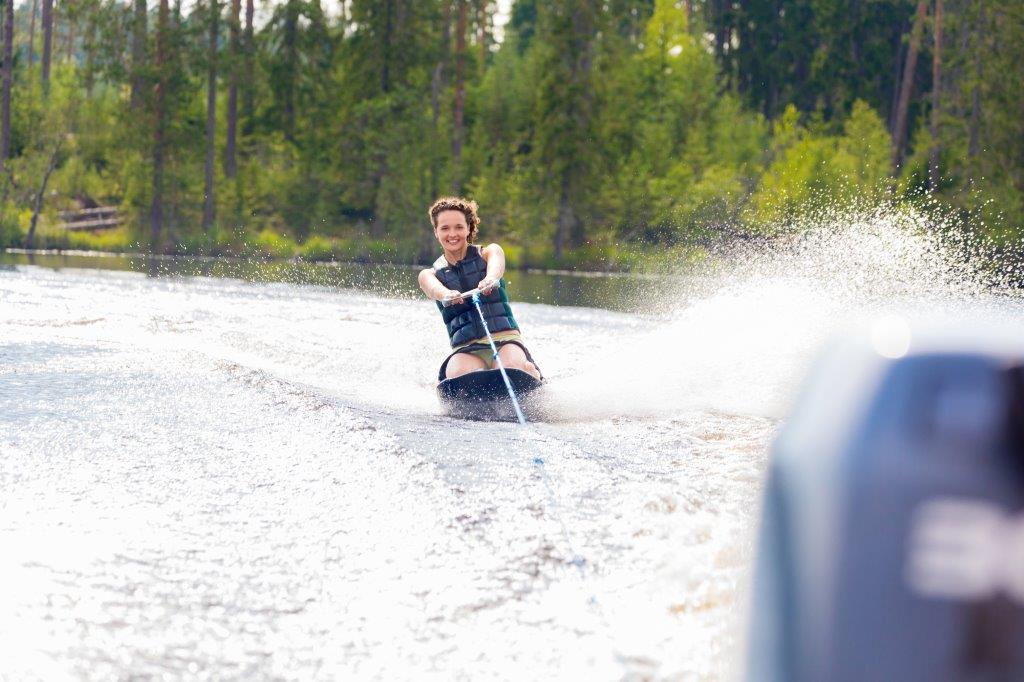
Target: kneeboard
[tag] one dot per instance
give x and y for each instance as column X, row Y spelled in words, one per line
column 483, row 395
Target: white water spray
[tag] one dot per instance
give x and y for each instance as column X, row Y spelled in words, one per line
column 761, row 311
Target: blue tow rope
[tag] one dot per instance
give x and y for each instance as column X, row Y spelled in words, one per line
column 577, row 559
column 497, row 361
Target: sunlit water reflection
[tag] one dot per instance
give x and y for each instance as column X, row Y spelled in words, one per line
column 214, row 478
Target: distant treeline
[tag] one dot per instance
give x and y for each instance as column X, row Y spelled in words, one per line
column 588, row 130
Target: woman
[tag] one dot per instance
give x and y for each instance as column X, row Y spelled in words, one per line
column 464, row 266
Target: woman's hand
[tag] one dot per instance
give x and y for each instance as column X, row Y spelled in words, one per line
column 487, row 284
column 452, row 297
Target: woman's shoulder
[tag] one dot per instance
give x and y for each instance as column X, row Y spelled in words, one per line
column 486, row 251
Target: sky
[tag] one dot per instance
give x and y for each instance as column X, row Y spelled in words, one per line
column 501, row 18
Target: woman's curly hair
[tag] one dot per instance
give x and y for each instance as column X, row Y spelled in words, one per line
column 468, row 208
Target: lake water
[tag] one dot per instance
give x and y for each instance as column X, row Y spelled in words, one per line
column 224, row 470
column 615, row 291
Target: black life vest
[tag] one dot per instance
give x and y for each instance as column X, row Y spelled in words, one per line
column 462, row 320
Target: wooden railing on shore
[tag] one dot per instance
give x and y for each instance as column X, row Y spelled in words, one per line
column 99, row 218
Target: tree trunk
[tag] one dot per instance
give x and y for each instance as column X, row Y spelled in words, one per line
column 291, row 55
column 385, row 71
column 437, row 85
column 723, row 34
column 460, row 96
column 569, row 229
column 567, row 220
column 8, row 76
column 156, row 212
column 974, row 128
column 718, row 25
column 584, row 29
column 89, row 44
column 934, row 151
column 47, row 42
column 32, row 34
column 899, row 135
column 897, row 64
column 138, row 52
column 856, row 38
column 482, row 33
column 37, row 203
column 249, row 95
column 70, row 45
column 230, row 164
column 211, row 117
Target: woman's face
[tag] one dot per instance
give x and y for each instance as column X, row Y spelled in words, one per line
column 452, row 233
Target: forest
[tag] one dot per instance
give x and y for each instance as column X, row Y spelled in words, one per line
column 593, row 133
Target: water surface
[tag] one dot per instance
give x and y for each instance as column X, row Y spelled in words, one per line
column 240, row 477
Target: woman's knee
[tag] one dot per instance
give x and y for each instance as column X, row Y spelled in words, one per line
column 530, row 369
column 513, row 357
column 463, row 363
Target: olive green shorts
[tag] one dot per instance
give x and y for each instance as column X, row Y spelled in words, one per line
column 482, row 349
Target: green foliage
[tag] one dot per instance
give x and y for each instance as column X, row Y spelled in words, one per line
column 862, row 155
column 798, row 175
column 683, row 153
column 317, row 248
column 270, row 243
column 596, row 134
column 982, row 131
column 107, row 240
column 214, row 243
column 819, row 55
column 809, row 171
column 10, row 228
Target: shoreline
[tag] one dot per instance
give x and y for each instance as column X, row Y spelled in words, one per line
column 302, row 261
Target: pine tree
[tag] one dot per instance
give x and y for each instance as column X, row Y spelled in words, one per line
column 564, row 116
column 234, row 49
column 8, row 80
column 47, row 42
column 249, row 49
column 138, row 51
column 899, row 134
column 209, row 196
column 459, row 101
column 935, row 150
column 156, row 213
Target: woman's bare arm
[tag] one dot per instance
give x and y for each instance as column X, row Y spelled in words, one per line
column 495, row 257
column 433, row 287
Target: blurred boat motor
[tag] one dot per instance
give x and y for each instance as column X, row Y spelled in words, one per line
column 892, row 538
